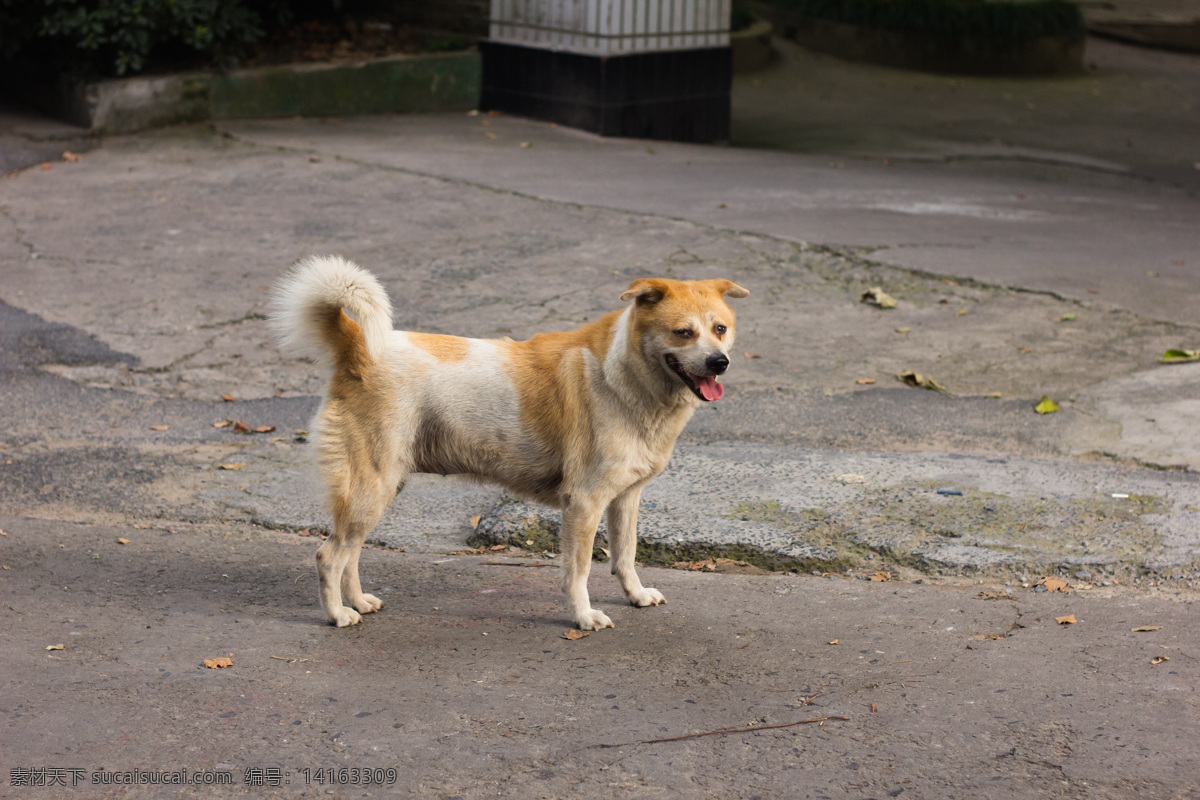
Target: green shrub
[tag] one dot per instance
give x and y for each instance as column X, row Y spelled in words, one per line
column 949, row 20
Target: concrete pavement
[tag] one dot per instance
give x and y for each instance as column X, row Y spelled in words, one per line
column 134, row 287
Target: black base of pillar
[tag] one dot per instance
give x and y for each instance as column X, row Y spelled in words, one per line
column 679, row 95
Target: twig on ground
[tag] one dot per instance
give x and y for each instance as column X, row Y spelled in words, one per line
column 720, row 731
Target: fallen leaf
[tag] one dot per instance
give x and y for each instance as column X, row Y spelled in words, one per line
column 1052, row 584
column 881, row 576
column 241, row 427
column 835, row 641
column 919, row 381
column 71, row 158
column 1069, row 619
column 1147, row 628
column 573, row 634
column 1045, row 406
column 493, row 113
column 231, row 466
column 160, row 427
column 606, row 553
column 46, row 165
column 876, row 296
column 526, row 145
column 302, row 433
column 851, row 477
column 873, row 708
column 1025, row 350
column 56, row 647
column 903, row 330
column 1179, row 356
column 228, row 398
column 498, row 547
column 753, row 355
column 225, row 423
column 122, row 541
column 218, row 663
column 264, row 429
column 2, row 533
column 993, row 394
column 489, row 134
column 986, row 637
column 1160, row 659
column 962, row 312
column 865, row 381
column 475, row 521
column 1067, row 318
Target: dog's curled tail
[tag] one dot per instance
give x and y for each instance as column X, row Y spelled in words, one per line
column 307, row 303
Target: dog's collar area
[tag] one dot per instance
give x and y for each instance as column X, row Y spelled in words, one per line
column 705, row 387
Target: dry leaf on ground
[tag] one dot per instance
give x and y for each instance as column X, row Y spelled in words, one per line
column 498, row 547
column 1069, row 619
column 71, row 158
column 877, row 296
column 225, row 423
column 160, row 427
column 230, row 466
column 1045, row 406
column 835, row 641
column 56, row 647
column 2, row 533
column 919, row 381
column 881, row 576
column 753, row 355
column 265, row 429
column 228, row 398
column 851, row 477
column 122, row 541
column 573, row 634
column 962, row 311
column 865, row 381
column 218, row 663
column 241, row 427
column 475, row 521
column 1052, row 584
column 1147, row 628
column 1160, row 659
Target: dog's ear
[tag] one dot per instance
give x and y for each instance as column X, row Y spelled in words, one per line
column 727, row 288
column 647, row 291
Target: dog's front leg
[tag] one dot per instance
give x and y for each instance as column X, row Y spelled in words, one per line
column 622, row 538
column 580, row 519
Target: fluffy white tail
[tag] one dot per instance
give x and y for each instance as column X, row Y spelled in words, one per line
column 308, row 298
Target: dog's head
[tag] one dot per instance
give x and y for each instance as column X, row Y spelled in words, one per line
column 684, row 331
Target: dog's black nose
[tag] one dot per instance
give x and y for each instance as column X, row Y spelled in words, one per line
column 717, row 362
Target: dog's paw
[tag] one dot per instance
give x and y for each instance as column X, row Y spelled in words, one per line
column 647, row 596
column 343, row 617
column 367, row 603
column 593, row 620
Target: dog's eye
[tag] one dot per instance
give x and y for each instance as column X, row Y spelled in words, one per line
column 683, row 333
column 720, row 330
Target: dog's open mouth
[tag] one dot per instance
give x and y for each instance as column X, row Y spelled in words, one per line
column 703, row 386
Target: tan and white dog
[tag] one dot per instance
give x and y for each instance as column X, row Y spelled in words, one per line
column 578, row 420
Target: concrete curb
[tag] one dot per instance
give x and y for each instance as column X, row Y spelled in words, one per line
column 395, row 84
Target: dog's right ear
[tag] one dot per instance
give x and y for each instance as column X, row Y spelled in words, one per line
column 647, row 291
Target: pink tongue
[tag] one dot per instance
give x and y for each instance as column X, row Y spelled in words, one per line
column 709, row 387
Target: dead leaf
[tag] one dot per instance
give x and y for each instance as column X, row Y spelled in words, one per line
column 498, row 547
column 919, row 381
column 989, row 636
column 1179, row 356
column 160, row 427
column 228, row 398
column 851, row 477
column 526, row 145
column 573, row 634
column 2, row 533
column 1160, row 659
column 489, row 134
column 302, row 433
column 903, row 330
column 881, row 576
column 264, row 429
column 231, row 466
column 835, row 641
column 753, row 355
column 218, row 663
column 1069, row 619
column 225, row 423
column 475, row 521
column 71, row 158
column 1052, row 584
column 122, row 541
column 241, row 427
column 56, row 647
column 876, row 296
column 1045, row 406
column 865, row 381
column 1067, row 318
column 962, row 312
column 873, row 708
column 1147, row 628
column 1025, row 350
column 46, row 165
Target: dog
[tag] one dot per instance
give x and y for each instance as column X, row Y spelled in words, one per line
column 578, row 420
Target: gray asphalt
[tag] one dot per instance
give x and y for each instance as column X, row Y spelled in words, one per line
column 1031, row 250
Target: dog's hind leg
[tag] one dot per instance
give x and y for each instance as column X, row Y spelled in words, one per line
column 578, row 534
column 622, row 538
column 354, row 516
